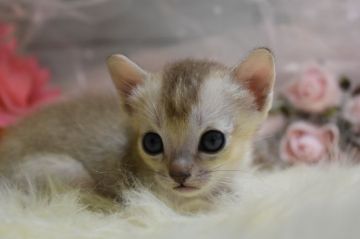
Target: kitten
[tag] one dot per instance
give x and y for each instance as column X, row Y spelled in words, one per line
column 181, row 132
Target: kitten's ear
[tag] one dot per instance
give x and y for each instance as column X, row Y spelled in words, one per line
column 125, row 74
column 257, row 74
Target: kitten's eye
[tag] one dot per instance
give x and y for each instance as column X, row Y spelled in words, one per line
column 212, row 141
column 152, row 143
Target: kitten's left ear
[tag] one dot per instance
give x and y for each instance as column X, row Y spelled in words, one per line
column 257, row 74
column 125, row 74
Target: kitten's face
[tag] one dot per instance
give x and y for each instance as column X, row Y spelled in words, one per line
column 194, row 125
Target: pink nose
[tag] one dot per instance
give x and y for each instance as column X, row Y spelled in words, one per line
column 179, row 170
column 180, row 178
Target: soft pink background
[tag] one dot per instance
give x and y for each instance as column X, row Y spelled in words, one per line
column 74, row 38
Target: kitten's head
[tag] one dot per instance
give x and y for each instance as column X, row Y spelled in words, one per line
column 196, row 119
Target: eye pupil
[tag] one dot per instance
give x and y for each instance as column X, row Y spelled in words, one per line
column 212, row 141
column 152, row 143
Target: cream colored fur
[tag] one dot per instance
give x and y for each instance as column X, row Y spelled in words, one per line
column 300, row 202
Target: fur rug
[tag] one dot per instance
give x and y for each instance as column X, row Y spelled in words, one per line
column 300, row 202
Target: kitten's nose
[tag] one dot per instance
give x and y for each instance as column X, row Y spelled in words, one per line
column 180, row 177
column 179, row 170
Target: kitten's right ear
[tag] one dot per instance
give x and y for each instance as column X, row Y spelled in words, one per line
column 257, row 74
column 125, row 74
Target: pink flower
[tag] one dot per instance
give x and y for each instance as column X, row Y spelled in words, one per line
column 314, row 91
column 23, row 83
column 352, row 111
column 307, row 143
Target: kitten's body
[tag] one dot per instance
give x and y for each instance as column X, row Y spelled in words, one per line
column 90, row 129
column 96, row 140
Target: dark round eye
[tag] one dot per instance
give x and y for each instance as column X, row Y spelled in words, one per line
column 212, row 141
column 152, row 143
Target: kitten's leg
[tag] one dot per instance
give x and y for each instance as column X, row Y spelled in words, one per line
column 60, row 168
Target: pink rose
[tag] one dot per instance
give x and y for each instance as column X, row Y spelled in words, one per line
column 307, row 143
column 314, row 91
column 23, row 83
column 352, row 111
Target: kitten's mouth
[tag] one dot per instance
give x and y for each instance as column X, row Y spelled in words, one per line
column 185, row 188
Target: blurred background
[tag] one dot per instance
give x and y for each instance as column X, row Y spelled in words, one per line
column 74, row 37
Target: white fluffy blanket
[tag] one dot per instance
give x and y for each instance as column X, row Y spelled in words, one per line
column 300, row 202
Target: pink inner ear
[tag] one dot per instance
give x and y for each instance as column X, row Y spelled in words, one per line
column 127, row 87
column 259, row 85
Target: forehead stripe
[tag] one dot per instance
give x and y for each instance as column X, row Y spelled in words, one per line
column 181, row 86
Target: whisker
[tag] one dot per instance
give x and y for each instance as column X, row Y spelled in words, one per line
column 229, row 170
